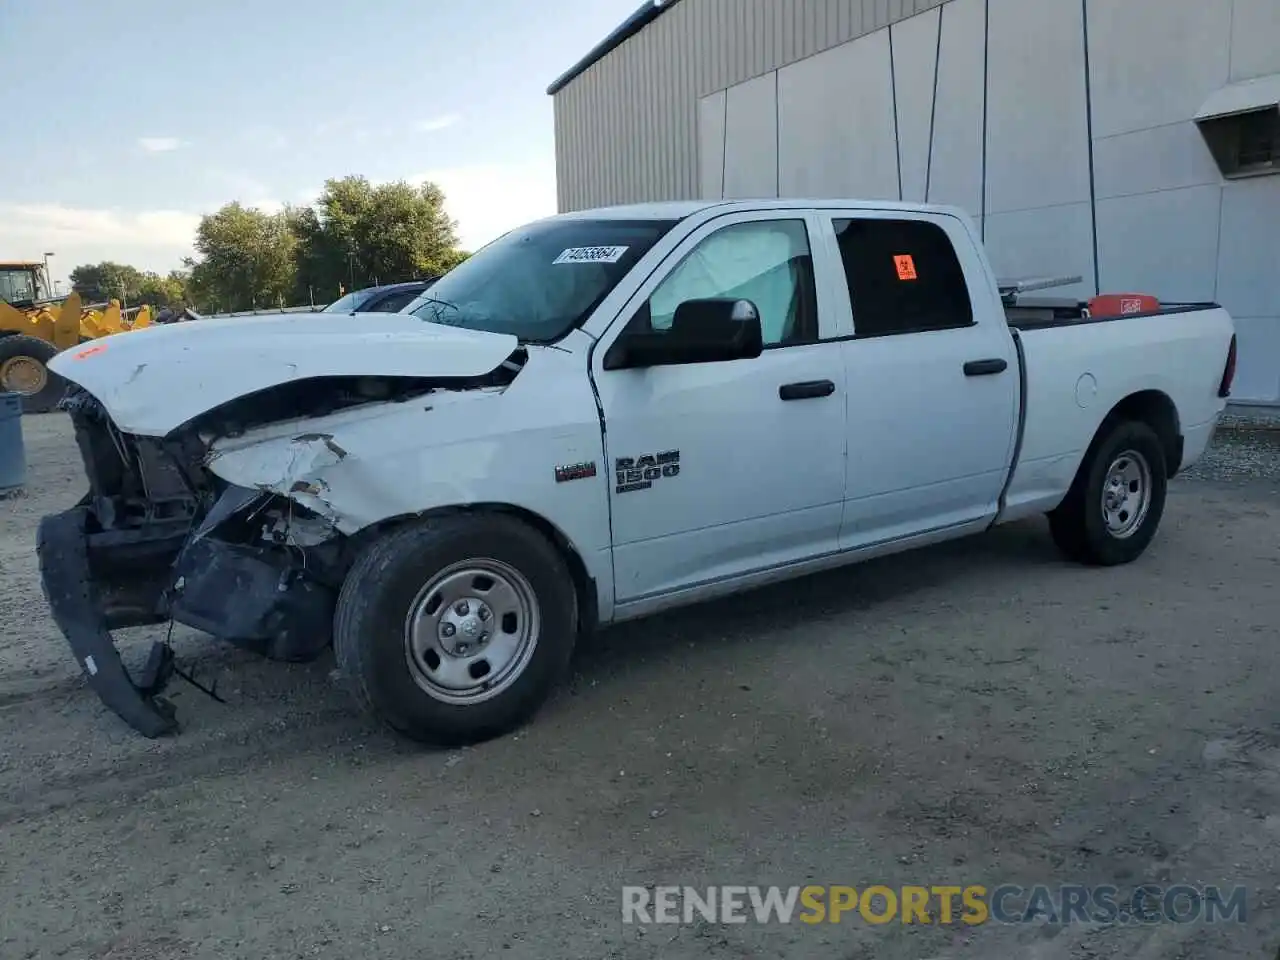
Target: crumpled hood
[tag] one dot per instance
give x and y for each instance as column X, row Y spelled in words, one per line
column 154, row 380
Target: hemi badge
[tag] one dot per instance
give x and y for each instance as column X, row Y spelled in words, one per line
column 576, row 471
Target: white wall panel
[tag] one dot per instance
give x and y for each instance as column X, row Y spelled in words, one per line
column 915, row 56
column 836, row 125
column 1050, row 241
column 1161, row 243
column 956, row 175
column 1155, row 61
column 711, row 120
column 1255, row 39
column 1257, row 369
column 1162, row 158
column 627, row 126
column 1249, row 254
column 1037, row 123
column 751, row 140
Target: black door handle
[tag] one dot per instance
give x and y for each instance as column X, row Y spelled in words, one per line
column 985, row 368
column 806, row 390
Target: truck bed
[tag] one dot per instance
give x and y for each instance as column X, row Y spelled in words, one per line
column 1170, row 368
column 1049, row 312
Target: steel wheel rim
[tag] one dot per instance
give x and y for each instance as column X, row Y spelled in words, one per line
column 1126, row 494
column 471, row 631
column 23, row 375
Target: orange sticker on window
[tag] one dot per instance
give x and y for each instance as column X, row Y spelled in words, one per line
column 89, row 352
column 906, row 265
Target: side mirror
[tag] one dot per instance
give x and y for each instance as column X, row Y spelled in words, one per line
column 702, row 331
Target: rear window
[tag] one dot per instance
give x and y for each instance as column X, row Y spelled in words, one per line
column 395, row 302
column 903, row 276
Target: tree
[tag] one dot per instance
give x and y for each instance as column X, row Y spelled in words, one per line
column 167, row 291
column 247, row 258
column 355, row 235
column 452, row 259
column 358, row 234
column 97, row 282
column 106, row 281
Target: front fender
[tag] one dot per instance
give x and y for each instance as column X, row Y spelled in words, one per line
column 360, row 467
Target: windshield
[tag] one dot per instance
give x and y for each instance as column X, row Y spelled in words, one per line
column 540, row 281
column 19, row 285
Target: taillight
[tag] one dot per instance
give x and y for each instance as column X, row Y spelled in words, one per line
column 1229, row 371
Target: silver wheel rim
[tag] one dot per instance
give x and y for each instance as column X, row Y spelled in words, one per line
column 471, row 631
column 1126, row 494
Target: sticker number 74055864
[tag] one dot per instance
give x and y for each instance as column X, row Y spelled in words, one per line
column 591, row 255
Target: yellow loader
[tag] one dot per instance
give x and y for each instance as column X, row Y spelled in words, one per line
column 33, row 330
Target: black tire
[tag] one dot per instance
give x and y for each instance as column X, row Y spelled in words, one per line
column 21, row 346
column 380, row 591
column 1079, row 524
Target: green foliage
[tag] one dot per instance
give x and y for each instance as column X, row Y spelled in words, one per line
column 451, row 259
column 357, row 234
column 99, row 282
column 168, row 291
column 247, row 258
column 103, row 281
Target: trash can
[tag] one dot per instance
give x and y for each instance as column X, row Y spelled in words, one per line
column 13, row 454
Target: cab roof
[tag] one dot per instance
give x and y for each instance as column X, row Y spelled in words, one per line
column 680, row 209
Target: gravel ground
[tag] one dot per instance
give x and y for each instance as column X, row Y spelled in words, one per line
column 977, row 713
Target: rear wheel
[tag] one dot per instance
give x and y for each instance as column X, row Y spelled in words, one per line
column 456, row 629
column 1114, row 507
column 24, row 370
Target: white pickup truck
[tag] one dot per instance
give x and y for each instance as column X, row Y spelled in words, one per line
column 599, row 416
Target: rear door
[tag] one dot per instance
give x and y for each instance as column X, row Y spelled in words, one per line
column 932, row 377
column 719, row 470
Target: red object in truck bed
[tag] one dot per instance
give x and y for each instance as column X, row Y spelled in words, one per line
column 1122, row 304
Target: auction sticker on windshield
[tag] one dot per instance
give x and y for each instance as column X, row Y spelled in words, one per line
column 591, row 255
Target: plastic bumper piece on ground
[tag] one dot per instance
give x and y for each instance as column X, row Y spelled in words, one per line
column 64, row 573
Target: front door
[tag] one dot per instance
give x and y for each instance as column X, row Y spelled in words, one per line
column 720, row 469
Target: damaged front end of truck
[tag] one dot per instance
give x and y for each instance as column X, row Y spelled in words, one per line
column 161, row 538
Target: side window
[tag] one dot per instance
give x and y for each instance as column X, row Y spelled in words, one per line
column 904, row 277
column 767, row 262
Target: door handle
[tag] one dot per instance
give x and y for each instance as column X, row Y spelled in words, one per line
column 985, row 368
column 806, row 390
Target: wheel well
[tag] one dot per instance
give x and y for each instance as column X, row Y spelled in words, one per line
column 584, row 586
column 1156, row 410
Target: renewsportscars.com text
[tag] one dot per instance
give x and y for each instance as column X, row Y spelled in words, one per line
column 936, row 904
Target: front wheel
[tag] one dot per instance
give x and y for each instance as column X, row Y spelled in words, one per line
column 1115, row 504
column 456, row 629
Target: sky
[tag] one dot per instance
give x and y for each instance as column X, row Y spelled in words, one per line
column 128, row 119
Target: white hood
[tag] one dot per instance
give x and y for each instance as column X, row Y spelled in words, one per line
column 154, row 380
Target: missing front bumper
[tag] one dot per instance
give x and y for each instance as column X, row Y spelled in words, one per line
column 158, row 539
column 96, row 581
column 62, row 547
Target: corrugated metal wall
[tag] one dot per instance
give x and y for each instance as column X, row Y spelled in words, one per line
column 626, row 129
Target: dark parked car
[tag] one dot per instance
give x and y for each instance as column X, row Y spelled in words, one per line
column 391, row 298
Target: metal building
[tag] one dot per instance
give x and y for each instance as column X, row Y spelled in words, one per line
column 1133, row 142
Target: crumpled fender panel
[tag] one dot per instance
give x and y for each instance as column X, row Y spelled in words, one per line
column 447, row 449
